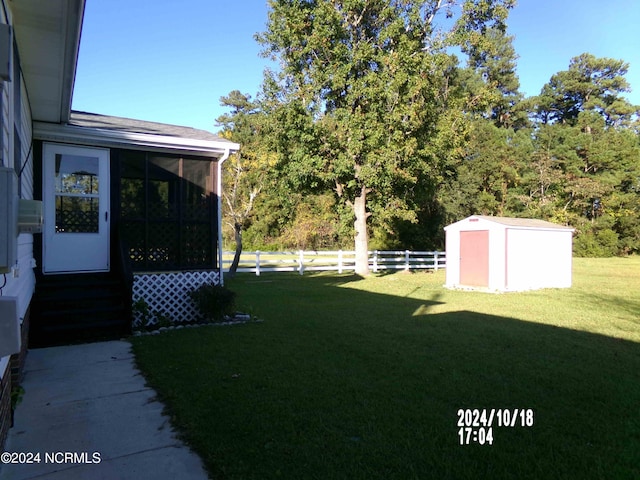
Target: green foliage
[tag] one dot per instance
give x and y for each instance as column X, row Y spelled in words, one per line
column 363, row 95
column 150, row 319
column 213, row 301
column 141, row 309
column 17, row 392
column 373, row 129
column 314, row 226
column 590, row 84
column 163, row 320
column 599, row 243
column 245, row 172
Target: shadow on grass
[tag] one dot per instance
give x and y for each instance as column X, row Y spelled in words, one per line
column 343, row 383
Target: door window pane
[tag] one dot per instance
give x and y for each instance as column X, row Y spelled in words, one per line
column 76, row 175
column 77, row 189
column 77, row 214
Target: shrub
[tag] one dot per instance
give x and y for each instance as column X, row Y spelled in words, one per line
column 602, row 243
column 213, row 301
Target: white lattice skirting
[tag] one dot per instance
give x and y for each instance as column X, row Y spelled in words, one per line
column 167, row 295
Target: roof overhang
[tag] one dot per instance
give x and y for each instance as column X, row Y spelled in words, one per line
column 51, row 132
column 48, row 37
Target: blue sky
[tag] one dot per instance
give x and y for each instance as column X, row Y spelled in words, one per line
column 170, row 62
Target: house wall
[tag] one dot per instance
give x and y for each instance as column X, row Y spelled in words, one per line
column 16, row 152
column 22, row 282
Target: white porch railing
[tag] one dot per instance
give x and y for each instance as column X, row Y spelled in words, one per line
column 340, row 260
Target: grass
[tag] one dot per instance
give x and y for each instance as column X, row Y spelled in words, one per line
column 362, row 378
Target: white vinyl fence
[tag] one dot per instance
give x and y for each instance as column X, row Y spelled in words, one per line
column 341, row 260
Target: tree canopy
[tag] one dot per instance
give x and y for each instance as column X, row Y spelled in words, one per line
column 365, row 92
column 377, row 130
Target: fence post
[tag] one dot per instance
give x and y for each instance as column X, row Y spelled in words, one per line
column 339, row 261
column 301, row 263
column 435, row 260
column 257, row 263
column 406, row 260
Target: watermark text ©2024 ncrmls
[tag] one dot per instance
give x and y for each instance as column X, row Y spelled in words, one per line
column 51, row 457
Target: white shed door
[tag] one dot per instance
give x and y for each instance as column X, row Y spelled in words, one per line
column 76, row 209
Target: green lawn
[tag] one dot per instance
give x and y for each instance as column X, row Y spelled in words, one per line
column 351, row 378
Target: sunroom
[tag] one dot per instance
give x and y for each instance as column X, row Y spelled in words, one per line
column 131, row 217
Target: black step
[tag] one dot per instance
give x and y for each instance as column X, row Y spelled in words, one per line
column 101, row 301
column 75, row 308
column 80, row 317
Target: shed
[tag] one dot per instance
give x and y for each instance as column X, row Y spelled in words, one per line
column 508, row 254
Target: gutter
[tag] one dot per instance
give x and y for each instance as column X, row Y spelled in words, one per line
column 221, row 160
column 74, row 13
column 52, row 132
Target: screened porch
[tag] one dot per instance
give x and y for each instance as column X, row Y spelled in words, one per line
column 167, row 215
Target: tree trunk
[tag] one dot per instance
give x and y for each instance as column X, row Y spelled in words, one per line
column 361, row 235
column 237, row 231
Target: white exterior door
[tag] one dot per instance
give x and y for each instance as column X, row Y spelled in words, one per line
column 76, row 209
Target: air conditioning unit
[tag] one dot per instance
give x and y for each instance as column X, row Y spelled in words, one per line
column 8, row 219
column 29, row 216
column 9, row 326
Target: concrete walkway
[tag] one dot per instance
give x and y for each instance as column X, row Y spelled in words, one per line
column 91, row 401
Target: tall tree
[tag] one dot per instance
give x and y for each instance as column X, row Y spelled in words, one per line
column 482, row 34
column 587, row 152
column 590, row 84
column 244, row 173
column 487, row 172
column 364, row 88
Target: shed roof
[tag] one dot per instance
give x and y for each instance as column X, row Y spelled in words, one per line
column 518, row 222
column 522, row 222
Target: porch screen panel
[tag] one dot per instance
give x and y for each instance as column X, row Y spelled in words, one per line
column 133, row 211
column 132, row 186
column 163, row 188
column 167, row 209
column 197, row 213
column 163, row 193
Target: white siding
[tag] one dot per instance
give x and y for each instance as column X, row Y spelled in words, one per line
column 538, row 259
column 5, row 110
column 26, row 140
column 5, row 124
column 3, row 364
column 4, row 144
column 22, row 284
column 452, row 248
column 497, row 257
